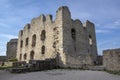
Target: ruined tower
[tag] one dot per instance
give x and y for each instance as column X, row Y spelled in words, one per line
column 12, row 49
column 73, row 42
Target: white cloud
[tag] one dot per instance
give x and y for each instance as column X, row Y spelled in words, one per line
column 108, row 44
column 102, row 31
column 2, row 49
column 117, row 22
column 2, row 53
column 3, row 42
column 81, row 15
column 85, row 15
column 101, row 43
column 109, row 27
column 96, row 24
column 112, row 25
column 4, row 25
column 8, row 36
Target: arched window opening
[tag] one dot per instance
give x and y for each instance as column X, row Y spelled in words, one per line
column 43, row 35
column 43, row 50
column 33, row 40
column 27, row 41
column 31, row 55
column 90, row 40
column 90, row 36
column 25, row 56
column 20, row 57
column 28, row 26
column 21, row 32
column 21, row 43
column 54, row 29
column 73, row 34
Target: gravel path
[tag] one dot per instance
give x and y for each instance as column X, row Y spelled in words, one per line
column 60, row 75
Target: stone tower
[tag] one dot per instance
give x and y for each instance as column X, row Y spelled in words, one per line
column 12, row 49
column 73, row 42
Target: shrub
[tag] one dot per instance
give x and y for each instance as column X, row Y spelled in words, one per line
column 13, row 60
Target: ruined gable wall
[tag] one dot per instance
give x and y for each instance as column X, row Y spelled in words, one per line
column 36, row 27
column 53, row 38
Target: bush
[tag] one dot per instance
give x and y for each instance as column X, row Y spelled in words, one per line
column 13, row 60
column 4, row 67
column 113, row 72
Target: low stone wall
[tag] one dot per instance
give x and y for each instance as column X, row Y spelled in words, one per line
column 43, row 64
column 111, row 59
column 14, row 64
column 19, row 63
column 2, row 60
column 82, row 61
column 6, row 63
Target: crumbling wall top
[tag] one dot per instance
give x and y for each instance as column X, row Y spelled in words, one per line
column 63, row 7
column 77, row 21
column 13, row 40
column 49, row 18
column 63, row 14
column 42, row 18
column 111, row 50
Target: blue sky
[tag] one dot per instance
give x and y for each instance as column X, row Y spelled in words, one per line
column 14, row 14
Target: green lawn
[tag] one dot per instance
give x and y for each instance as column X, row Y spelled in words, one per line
column 114, row 72
column 4, row 67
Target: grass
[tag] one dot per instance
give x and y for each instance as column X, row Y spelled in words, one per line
column 113, row 72
column 4, row 67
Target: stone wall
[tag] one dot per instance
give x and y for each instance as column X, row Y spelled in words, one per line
column 2, row 60
column 111, row 59
column 83, row 61
column 43, row 64
column 46, row 38
column 8, row 63
column 42, row 37
column 12, row 49
column 78, row 39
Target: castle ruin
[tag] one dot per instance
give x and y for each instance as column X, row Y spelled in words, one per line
column 71, row 41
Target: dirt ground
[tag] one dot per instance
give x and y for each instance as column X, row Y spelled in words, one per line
column 59, row 74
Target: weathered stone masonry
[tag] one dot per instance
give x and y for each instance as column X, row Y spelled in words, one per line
column 12, row 49
column 111, row 59
column 73, row 42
